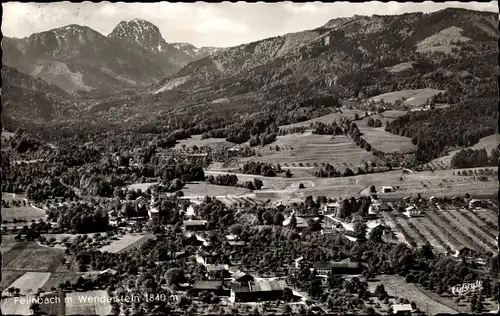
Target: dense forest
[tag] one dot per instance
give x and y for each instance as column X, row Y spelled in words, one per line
column 470, row 158
column 438, row 130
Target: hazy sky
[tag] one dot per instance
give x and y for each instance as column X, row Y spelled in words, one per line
column 205, row 24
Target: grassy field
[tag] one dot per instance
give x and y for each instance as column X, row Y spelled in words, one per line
column 29, row 282
column 488, row 143
column 29, row 256
column 314, row 150
column 8, row 277
column 22, row 213
column 140, row 186
column 88, row 303
column 12, row 306
column 427, row 183
column 204, row 189
column 125, row 241
column 384, row 117
column 399, row 67
column 412, row 98
column 214, row 143
column 385, row 141
column 396, row 286
column 326, row 119
column 61, row 277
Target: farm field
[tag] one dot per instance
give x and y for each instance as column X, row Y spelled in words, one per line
column 443, row 230
column 29, row 256
column 427, row 183
column 27, row 212
column 416, row 97
column 326, row 119
column 386, row 142
column 214, row 143
column 400, row 67
column 140, row 186
column 57, row 278
column 386, row 116
column 488, row 143
column 29, row 282
column 12, row 306
column 125, row 241
column 396, row 286
column 88, row 303
column 204, row 189
column 310, row 149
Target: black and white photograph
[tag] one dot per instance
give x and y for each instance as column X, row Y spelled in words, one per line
column 250, row 158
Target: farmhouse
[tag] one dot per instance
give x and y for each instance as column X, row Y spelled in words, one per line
column 204, row 257
column 329, row 208
column 343, row 267
column 384, row 207
column 412, row 211
column 479, row 203
column 257, row 291
column 242, row 277
column 109, row 271
column 387, row 189
column 402, row 309
column 372, row 211
column 217, row 271
column 154, row 213
column 218, row 287
column 469, row 255
column 195, row 224
column 301, row 222
column 236, row 243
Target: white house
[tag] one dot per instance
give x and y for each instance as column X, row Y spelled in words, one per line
column 387, row 189
column 329, row 208
column 153, row 213
column 401, row 309
column 412, row 211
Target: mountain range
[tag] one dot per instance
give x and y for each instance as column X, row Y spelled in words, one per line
column 82, row 61
column 356, row 57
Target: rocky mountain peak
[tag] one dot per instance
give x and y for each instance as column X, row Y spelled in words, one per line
column 141, row 32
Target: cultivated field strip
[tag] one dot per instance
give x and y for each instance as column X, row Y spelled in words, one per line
column 397, row 229
column 482, row 221
column 417, row 231
column 30, row 282
column 432, row 233
column 444, row 229
column 417, row 238
column 460, row 231
column 479, row 236
column 487, row 216
column 491, row 232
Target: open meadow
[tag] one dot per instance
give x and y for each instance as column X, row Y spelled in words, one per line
column 386, row 142
column 314, row 150
column 426, row 301
column 88, row 303
column 29, row 256
column 23, row 212
column 204, row 189
column 13, row 306
column 413, row 98
column 125, row 242
column 29, row 282
column 195, row 140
